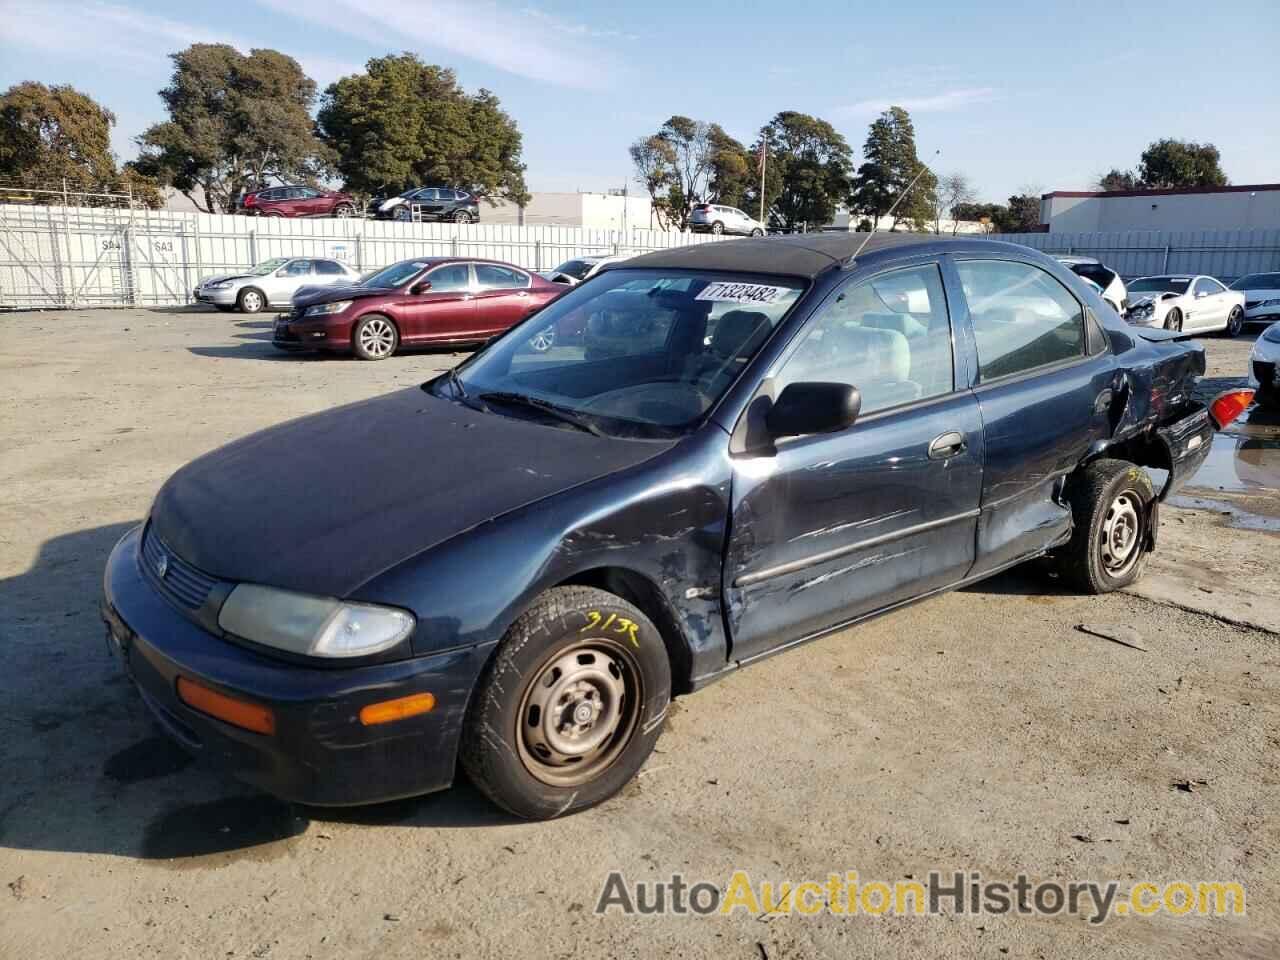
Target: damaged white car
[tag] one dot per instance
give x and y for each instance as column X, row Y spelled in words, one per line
column 1188, row 303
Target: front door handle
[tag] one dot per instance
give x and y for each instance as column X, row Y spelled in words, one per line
column 947, row 445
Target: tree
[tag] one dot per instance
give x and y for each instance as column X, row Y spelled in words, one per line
column 1115, row 179
column 733, row 170
column 1175, row 164
column 1022, row 215
column 807, row 174
column 404, row 122
column 983, row 213
column 891, row 164
column 954, row 190
column 235, row 122
column 679, row 166
column 55, row 135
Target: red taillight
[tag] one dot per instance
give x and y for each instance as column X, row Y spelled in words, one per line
column 1227, row 406
column 250, row 199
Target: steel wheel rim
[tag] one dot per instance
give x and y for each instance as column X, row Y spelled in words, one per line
column 1121, row 533
column 377, row 338
column 579, row 713
column 1175, row 320
column 343, row 211
column 543, row 340
column 252, row 302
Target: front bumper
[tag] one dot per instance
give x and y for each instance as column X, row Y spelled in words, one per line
column 1268, row 314
column 225, row 296
column 316, row 334
column 320, row 752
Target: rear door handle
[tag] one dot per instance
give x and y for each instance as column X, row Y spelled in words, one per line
column 947, row 445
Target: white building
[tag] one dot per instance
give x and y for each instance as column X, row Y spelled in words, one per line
column 603, row 211
column 1252, row 207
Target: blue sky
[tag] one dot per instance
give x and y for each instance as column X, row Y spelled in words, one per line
column 1016, row 95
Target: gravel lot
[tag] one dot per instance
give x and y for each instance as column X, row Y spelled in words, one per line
column 976, row 731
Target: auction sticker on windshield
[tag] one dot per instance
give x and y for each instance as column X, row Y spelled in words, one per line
column 724, row 292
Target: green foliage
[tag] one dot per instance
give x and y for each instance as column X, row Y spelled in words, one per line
column 679, row 166
column 890, row 164
column 1022, row 215
column 51, row 135
column 733, row 170
column 1116, row 179
column 1174, row 164
column 235, row 121
column 984, row 213
column 403, row 123
column 807, row 173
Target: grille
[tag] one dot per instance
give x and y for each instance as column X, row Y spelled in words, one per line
column 182, row 582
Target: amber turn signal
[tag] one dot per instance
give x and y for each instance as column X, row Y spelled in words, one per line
column 238, row 713
column 1227, row 406
column 398, row 709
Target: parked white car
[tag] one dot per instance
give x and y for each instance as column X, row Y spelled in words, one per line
column 1108, row 282
column 1264, row 368
column 717, row 218
column 271, row 283
column 1188, row 303
column 573, row 272
column 1261, row 297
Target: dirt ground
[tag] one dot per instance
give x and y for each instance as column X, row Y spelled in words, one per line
column 980, row 730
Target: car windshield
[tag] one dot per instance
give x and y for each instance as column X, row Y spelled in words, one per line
column 1160, row 285
column 396, row 274
column 634, row 353
column 578, row 269
column 268, row 266
column 1258, row 281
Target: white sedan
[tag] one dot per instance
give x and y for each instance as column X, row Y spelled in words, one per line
column 573, row 272
column 1261, row 297
column 1264, row 368
column 271, row 283
column 1188, row 303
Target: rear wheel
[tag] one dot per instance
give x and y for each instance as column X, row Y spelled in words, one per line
column 403, row 213
column 570, row 707
column 1173, row 320
column 273, row 213
column 251, row 300
column 1112, row 509
column 717, row 227
column 1235, row 322
column 461, row 216
column 374, row 337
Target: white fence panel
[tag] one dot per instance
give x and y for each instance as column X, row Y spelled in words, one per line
column 91, row 256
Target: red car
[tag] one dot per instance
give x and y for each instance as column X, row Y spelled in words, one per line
column 298, row 202
column 421, row 302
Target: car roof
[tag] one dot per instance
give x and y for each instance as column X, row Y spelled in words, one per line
column 801, row 255
column 1073, row 259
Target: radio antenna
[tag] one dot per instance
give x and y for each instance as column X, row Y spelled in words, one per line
column 871, row 233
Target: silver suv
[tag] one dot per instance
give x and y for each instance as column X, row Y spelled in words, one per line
column 716, row 218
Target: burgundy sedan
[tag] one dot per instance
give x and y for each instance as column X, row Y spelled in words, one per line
column 296, row 201
column 421, row 302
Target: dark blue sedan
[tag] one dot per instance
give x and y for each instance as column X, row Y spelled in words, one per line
column 691, row 461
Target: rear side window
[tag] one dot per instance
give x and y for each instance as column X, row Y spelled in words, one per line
column 1022, row 317
column 889, row 336
column 298, row 268
column 329, row 268
column 489, row 277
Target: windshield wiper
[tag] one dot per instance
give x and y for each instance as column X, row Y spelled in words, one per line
column 544, row 406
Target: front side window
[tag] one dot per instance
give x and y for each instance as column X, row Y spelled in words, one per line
column 450, row 278
column 490, row 277
column 638, row 352
column 298, row 268
column 889, row 336
column 1022, row 317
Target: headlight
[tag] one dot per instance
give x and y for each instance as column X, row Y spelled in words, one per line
column 312, row 626
column 325, row 309
column 221, row 284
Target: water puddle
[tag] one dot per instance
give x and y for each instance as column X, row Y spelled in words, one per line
column 1240, row 464
column 1239, row 518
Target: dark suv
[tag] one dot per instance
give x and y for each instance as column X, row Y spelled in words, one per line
column 297, row 201
column 428, row 204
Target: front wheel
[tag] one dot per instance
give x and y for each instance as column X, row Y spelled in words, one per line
column 344, row 210
column 1173, row 320
column 1113, row 508
column 570, row 707
column 757, row 232
column 251, row 300
column 374, row 338
column 1235, row 322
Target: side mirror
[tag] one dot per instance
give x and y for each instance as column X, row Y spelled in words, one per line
column 805, row 408
column 422, row 286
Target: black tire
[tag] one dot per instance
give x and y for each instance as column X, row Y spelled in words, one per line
column 461, row 216
column 374, row 337
column 344, row 210
column 717, row 228
column 757, row 232
column 1112, row 505
column 1235, row 323
column 568, row 634
column 1173, row 320
column 251, row 300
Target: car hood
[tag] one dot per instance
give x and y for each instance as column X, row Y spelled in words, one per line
column 223, row 276
column 308, row 295
column 323, row 504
